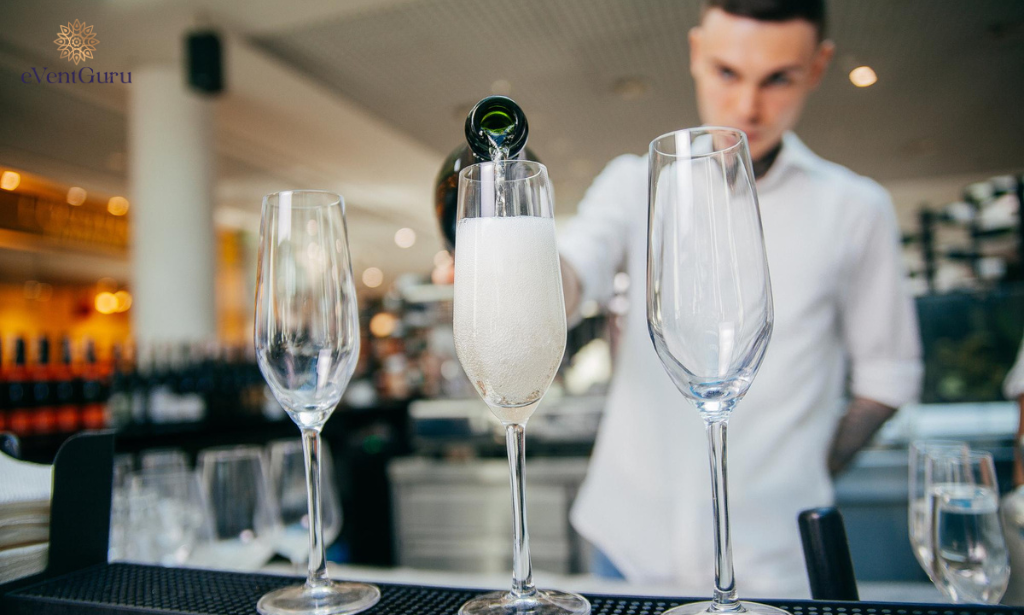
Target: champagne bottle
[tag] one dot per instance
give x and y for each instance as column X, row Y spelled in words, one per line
column 495, row 128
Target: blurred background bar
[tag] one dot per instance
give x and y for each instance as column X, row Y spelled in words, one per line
column 129, row 221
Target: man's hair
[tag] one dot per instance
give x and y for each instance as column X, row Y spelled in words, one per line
column 775, row 10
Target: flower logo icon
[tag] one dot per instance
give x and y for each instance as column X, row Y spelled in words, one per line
column 76, row 42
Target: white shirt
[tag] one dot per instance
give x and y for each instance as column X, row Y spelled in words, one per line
column 840, row 310
column 1013, row 386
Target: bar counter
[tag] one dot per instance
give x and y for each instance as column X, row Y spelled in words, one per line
column 121, row 589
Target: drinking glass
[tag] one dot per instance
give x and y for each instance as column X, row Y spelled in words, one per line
column 288, row 484
column 919, row 516
column 163, row 458
column 245, row 519
column 709, row 300
column 168, row 518
column 509, row 324
column 969, row 551
column 307, row 345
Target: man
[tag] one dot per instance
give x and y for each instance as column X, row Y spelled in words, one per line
column 840, row 311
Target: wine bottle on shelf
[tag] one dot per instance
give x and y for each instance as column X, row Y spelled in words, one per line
column 496, row 128
column 19, row 417
column 3, row 388
column 44, row 417
column 94, row 402
column 65, row 403
column 119, row 402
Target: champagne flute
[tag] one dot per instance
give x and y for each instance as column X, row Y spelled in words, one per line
column 307, row 345
column 709, row 300
column 919, row 517
column 509, row 322
column 969, row 557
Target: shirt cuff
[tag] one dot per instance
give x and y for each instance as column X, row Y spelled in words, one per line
column 892, row 382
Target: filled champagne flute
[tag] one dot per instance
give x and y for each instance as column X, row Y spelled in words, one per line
column 709, row 301
column 509, row 321
column 307, row 345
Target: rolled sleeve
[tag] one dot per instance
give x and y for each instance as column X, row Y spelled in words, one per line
column 595, row 242
column 878, row 315
column 1013, row 386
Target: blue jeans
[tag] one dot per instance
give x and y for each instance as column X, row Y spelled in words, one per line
column 601, row 566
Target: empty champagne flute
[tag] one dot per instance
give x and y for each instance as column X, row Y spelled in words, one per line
column 919, row 516
column 288, row 484
column 307, row 344
column 968, row 548
column 709, row 300
column 509, row 324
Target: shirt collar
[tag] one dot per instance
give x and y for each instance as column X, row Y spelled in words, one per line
column 794, row 156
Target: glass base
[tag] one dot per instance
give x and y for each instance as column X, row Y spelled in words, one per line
column 543, row 602
column 700, row 608
column 330, row 599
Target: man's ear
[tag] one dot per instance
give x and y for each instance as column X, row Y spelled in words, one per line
column 822, row 58
column 695, row 40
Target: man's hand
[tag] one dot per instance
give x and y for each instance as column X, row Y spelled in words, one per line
column 862, row 419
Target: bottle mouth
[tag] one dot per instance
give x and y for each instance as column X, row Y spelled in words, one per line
column 496, row 122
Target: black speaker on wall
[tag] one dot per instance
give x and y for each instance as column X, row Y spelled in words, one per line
column 205, row 65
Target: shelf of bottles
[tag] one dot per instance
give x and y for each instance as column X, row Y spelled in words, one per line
column 46, row 393
column 974, row 243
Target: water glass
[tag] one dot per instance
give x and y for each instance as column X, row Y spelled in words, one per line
column 168, row 518
column 919, row 517
column 969, row 550
column 245, row 519
column 288, row 487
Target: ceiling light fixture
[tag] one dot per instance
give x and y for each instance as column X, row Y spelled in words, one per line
column 863, row 76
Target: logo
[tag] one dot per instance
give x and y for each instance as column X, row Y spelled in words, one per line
column 76, row 42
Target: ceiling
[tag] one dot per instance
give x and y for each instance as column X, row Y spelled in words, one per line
column 948, row 98
column 366, row 96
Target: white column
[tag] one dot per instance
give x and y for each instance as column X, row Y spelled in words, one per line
column 170, row 144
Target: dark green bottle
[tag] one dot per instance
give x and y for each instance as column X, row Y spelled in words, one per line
column 495, row 126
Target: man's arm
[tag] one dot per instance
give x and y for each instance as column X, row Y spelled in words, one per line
column 879, row 327
column 862, row 420
column 571, row 288
column 1018, row 470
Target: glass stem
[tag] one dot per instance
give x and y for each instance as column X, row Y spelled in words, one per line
column 522, row 568
column 724, row 598
column 317, row 559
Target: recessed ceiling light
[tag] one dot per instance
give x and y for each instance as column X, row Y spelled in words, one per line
column 631, row 88
column 501, row 87
column 863, row 76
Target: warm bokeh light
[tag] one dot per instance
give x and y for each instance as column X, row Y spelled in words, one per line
column 9, row 180
column 382, row 324
column 106, row 303
column 124, row 300
column 405, row 238
column 76, row 196
column 373, row 277
column 117, row 205
column 442, row 259
column 863, row 76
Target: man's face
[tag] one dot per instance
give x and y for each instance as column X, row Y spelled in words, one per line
column 755, row 75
